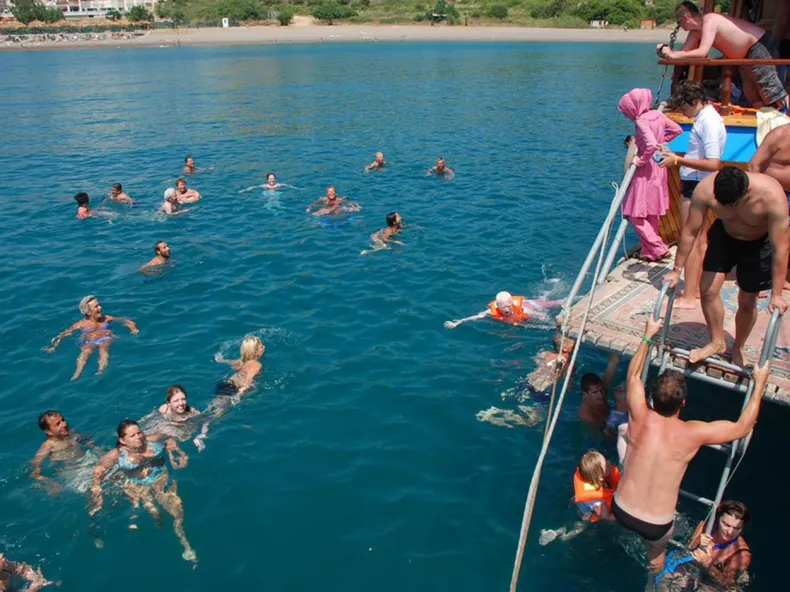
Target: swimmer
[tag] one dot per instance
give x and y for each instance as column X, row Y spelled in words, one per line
column 62, row 446
column 189, row 166
column 382, row 238
column 594, row 408
column 83, row 209
column 440, row 169
column 378, row 163
column 176, row 410
column 510, row 309
column 161, row 257
column 247, row 367
column 34, row 577
column 95, row 334
column 117, row 195
column 141, row 459
column 332, row 204
column 184, row 194
column 171, row 206
column 270, row 185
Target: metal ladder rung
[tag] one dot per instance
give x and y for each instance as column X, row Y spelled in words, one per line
column 718, row 362
column 721, row 447
column 697, row 498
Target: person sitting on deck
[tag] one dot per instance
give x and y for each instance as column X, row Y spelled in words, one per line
column 594, row 408
column 594, row 484
column 707, row 139
column 647, row 198
column 751, row 233
column 724, row 553
column 661, row 445
column 510, row 309
column 735, row 39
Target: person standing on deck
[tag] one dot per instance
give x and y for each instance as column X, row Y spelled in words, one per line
column 661, row 445
column 703, row 157
column 735, row 39
column 648, row 196
column 751, row 233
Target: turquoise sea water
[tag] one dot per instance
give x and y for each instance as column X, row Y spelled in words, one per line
column 358, row 463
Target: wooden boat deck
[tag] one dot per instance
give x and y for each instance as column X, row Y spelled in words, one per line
column 621, row 306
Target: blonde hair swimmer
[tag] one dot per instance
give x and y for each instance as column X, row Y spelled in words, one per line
column 247, row 367
column 95, row 334
column 511, row 309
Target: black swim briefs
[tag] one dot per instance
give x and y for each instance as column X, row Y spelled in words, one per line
column 649, row 532
column 687, row 188
column 753, row 258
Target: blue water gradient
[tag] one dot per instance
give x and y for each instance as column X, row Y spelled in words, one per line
column 358, row 463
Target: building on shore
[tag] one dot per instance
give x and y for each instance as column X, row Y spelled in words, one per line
column 85, row 8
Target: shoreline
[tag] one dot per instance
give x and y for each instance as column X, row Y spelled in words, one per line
column 295, row 34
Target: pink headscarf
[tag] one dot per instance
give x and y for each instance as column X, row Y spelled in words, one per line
column 635, row 103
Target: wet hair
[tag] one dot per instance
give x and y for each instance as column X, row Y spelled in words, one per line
column 177, row 388
column 84, row 309
column 180, row 180
column 126, row 423
column 249, row 347
column 690, row 6
column 82, row 198
column 391, row 218
column 156, row 246
column 590, row 468
column 668, row 393
column 591, row 380
column 270, row 175
column 186, row 159
column 43, row 419
column 733, row 508
column 627, row 140
column 730, row 185
column 688, row 92
column 117, row 186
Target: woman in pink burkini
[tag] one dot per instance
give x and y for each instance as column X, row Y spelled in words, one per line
column 648, row 195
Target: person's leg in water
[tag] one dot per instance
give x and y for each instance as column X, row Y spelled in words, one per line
column 548, row 535
column 713, row 309
column 82, row 359
column 692, row 272
column 657, row 553
column 104, row 357
column 143, row 493
column 169, row 500
column 745, row 319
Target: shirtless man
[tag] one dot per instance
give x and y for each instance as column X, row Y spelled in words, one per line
column 660, row 447
column 117, row 195
column 441, row 169
column 61, row 446
column 171, row 205
column 34, row 577
column 510, row 309
column 189, row 166
column 83, row 206
column 750, row 232
column 184, row 194
column 386, row 235
column 735, row 39
column 773, row 157
column 161, row 256
column 332, row 204
column 378, row 163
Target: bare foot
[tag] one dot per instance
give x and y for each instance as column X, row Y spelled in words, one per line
column 709, row 350
column 685, row 304
column 737, row 356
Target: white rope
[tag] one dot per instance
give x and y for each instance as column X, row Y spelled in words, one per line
column 554, row 416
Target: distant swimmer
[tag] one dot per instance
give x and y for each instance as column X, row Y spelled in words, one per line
column 184, row 194
column 95, row 334
column 382, row 238
column 141, row 459
column 189, row 166
column 161, row 257
column 331, row 204
column 62, row 448
column 11, row 569
column 83, row 207
column 171, row 206
column 378, row 163
column 440, row 169
column 270, row 185
column 661, row 445
column 510, row 309
column 117, row 195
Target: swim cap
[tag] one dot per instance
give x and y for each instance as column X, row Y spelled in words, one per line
column 170, row 192
column 504, row 299
column 84, row 303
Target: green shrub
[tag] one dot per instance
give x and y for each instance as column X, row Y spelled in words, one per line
column 26, row 11
column 285, row 15
column 476, row 14
column 498, row 11
column 113, row 14
column 331, row 12
column 139, row 13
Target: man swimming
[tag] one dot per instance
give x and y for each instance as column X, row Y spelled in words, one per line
column 34, row 577
column 661, row 446
column 378, row 163
column 62, row 446
column 332, row 204
column 510, row 309
column 189, row 166
column 117, row 195
column 161, row 256
column 83, row 208
column 184, row 194
column 171, row 206
column 441, row 169
column 383, row 237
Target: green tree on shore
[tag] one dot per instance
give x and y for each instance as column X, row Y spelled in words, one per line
column 27, row 11
column 139, row 13
column 331, row 12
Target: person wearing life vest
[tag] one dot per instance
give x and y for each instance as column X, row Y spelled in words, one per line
column 724, row 553
column 510, row 309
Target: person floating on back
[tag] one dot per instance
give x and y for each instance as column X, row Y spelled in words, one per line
column 647, row 198
column 83, row 208
column 378, row 163
column 96, row 334
column 440, row 169
column 386, row 236
column 510, row 309
column 118, row 196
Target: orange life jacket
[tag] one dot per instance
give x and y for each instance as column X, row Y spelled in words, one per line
column 519, row 314
column 584, row 492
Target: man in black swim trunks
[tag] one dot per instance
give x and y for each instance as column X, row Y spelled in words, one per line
column 751, row 233
column 660, row 447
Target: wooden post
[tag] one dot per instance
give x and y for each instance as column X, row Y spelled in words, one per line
column 709, row 6
column 726, row 90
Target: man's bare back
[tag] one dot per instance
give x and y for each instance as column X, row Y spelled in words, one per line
column 773, row 156
column 731, row 36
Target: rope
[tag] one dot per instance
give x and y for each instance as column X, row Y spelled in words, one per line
column 554, row 416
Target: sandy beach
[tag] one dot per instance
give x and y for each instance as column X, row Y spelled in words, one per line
column 302, row 32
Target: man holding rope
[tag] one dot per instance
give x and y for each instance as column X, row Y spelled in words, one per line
column 661, row 445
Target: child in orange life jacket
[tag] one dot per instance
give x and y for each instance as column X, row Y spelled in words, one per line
column 594, row 484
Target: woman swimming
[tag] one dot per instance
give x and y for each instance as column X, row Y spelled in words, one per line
column 95, row 334
column 141, row 459
column 270, row 185
column 176, row 418
column 247, row 368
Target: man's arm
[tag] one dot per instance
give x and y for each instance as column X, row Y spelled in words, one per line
column 38, row 460
column 777, row 234
column 478, row 316
column 763, row 155
column 709, row 28
column 635, row 390
column 688, row 234
column 611, row 368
